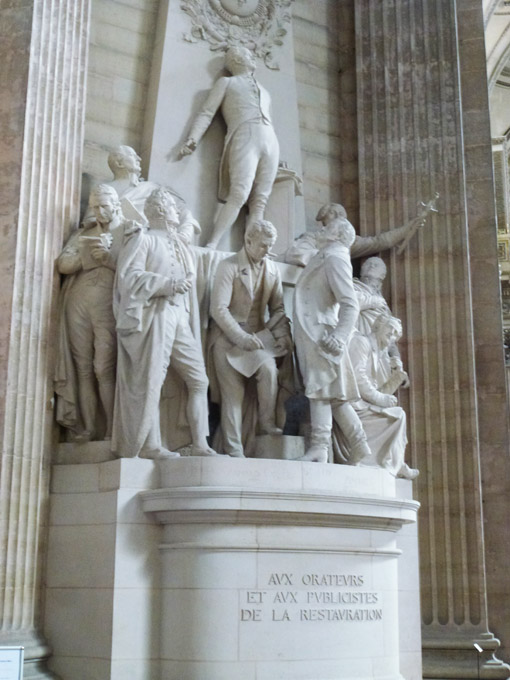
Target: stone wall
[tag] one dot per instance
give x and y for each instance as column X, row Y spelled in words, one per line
column 326, row 82
column 121, row 49
column 121, row 46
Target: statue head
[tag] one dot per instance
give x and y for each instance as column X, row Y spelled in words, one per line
column 239, row 60
column 339, row 230
column 387, row 329
column 160, row 209
column 330, row 211
column 259, row 238
column 104, row 202
column 373, row 271
column 123, row 160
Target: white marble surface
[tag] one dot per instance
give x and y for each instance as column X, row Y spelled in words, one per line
column 167, row 124
column 103, row 572
column 275, row 446
column 243, row 542
column 178, row 601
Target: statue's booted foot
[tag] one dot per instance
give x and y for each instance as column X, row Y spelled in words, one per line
column 359, row 453
column 204, row 451
column 315, row 454
column 238, row 453
column 159, row 453
column 270, row 428
column 83, row 437
column 407, row 472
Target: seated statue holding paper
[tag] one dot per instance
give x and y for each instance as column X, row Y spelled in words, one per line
column 241, row 342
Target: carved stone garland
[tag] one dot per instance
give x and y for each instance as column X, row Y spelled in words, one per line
column 259, row 25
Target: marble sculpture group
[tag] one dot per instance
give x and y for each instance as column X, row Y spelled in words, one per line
column 154, row 328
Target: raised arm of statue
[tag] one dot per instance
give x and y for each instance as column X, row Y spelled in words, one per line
column 305, row 246
column 205, row 116
column 369, row 245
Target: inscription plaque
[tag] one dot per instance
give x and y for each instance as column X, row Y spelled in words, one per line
column 312, row 597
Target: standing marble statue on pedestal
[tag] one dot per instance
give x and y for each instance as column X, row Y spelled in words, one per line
column 306, row 245
column 87, row 341
column 378, row 379
column 154, row 310
column 251, row 153
column 325, row 314
column 247, row 286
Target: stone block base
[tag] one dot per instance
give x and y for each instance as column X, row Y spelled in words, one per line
column 279, row 447
column 220, row 569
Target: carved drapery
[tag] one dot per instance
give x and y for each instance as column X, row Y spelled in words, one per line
column 48, row 55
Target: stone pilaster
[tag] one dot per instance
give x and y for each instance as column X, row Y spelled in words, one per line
column 43, row 54
column 423, row 127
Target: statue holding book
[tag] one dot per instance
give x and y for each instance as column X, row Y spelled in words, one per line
column 85, row 370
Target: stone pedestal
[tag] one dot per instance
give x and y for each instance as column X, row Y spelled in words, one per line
column 277, row 569
column 102, row 585
column 282, row 448
column 208, row 569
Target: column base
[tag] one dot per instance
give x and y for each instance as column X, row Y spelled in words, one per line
column 36, row 653
column 448, row 658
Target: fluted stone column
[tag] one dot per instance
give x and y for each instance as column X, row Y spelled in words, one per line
column 423, row 126
column 43, row 51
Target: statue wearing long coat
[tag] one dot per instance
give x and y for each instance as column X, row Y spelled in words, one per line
column 325, row 301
